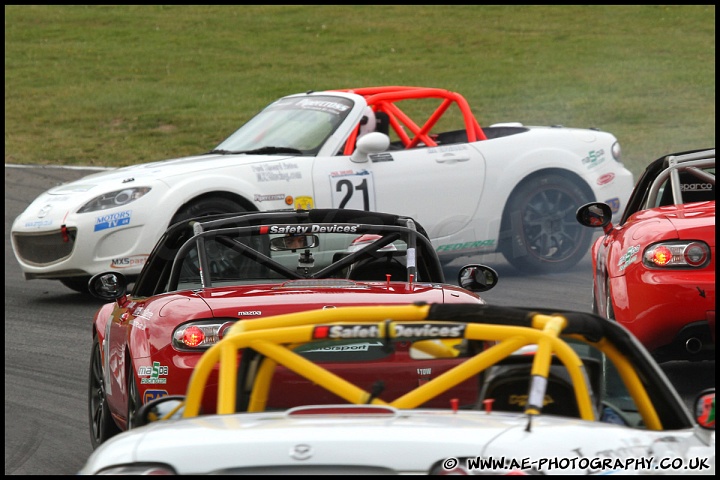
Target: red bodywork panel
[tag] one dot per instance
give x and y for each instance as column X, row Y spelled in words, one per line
column 151, row 351
column 655, row 304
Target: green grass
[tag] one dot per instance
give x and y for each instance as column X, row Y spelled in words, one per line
column 117, row 85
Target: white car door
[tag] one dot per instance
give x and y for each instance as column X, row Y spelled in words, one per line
column 438, row 186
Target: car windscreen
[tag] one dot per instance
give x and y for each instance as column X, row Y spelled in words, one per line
column 303, row 123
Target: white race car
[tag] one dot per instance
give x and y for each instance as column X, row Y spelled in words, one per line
column 505, row 188
column 522, row 391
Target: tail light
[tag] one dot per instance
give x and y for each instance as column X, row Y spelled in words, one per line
column 200, row 335
column 677, row 254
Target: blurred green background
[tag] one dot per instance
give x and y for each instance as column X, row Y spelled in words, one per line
column 117, row 85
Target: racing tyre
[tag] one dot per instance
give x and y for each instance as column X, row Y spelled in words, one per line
column 540, row 233
column 134, row 401
column 78, row 284
column 102, row 426
column 207, row 206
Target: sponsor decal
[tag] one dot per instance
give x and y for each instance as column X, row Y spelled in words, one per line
column 143, row 313
column 248, row 313
column 274, row 172
column 605, row 179
column 154, row 373
column 480, row 244
column 303, row 203
column 446, row 148
column 355, row 347
column 405, row 330
column 381, row 157
column 594, row 158
column 113, row 220
column 153, row 394
column 307, row 229
column 413, row 330
column 696, row 187
column 347, row 173
column 614, row 204
column 269, row 198
column 323, row 105
column 346, row 331
column 628, row 257
column 38, row 223
column 342, row 173
column 127, row 262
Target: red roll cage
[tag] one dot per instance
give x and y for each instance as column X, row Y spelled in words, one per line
column 383, row 99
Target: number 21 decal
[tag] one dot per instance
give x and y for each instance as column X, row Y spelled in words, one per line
column 355, row 192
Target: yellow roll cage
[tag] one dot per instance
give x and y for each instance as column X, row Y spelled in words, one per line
column 275, row 337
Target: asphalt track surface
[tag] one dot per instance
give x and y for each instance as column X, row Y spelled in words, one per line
column 48, row 341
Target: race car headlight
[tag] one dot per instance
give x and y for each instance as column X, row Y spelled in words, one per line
column 200, row 335
column 118, row 198
column 678, row 254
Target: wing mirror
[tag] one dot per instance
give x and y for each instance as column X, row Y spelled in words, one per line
column 108, row 286
column 163, row 408
column 373, row 142
column 595, row 214
column 477, row 278
column 705, row 409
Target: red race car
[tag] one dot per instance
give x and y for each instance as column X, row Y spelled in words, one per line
column 207, row 273
column 654, row 272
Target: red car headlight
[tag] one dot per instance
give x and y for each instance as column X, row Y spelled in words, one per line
column 677, row 254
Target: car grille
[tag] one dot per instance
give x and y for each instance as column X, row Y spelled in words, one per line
column 44, row 248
